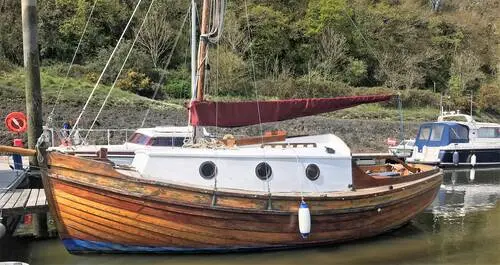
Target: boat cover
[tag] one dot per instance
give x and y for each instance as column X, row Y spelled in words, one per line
column 237, row 114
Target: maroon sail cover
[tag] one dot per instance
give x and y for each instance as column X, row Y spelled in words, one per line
column 236, row 114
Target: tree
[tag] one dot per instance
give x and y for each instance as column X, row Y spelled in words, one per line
column 233, row 35
column 269, row 30
column 11, row 31
column 333, row 50
column 324, row 13
column 156, row 35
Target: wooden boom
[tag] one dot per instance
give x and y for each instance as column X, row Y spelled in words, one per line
column 17, row 150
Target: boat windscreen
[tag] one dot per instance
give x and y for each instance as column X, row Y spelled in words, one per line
column 437, row 132
column 424, row 133
column 139, row 138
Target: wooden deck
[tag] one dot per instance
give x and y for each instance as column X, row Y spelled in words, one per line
column 22, row 201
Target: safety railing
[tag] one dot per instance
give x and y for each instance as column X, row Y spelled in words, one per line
column 96, row 136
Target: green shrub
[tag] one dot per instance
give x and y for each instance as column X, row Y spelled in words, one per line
column 138, row 61
column 137, row 83
column 411, row 98
column 177, row 84
column 302, row 88
column 229, row 75
column 489, row 96
column 6, row 66
column 60, row 69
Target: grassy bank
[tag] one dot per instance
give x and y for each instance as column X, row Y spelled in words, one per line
column 75, row 92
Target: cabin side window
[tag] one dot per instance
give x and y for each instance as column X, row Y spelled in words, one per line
column 168, row 141
column 459, row 134
column 139, row 138
column 489, row 132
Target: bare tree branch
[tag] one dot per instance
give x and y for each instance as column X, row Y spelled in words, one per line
column 156, row 36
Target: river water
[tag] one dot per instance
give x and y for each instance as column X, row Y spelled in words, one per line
column 462, row 226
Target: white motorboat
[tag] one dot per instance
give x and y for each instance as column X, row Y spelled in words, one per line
column 457, row 140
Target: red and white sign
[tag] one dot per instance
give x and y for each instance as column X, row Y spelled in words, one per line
column 391, row 141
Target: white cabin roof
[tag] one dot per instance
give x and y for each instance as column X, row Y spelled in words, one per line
column 469, row 120
column 180, row 131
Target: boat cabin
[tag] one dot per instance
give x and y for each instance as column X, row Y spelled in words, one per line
column 162, row 136
column 441, row 134
column 457, row 139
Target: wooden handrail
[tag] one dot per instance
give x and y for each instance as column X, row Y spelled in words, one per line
column 284, row 145
column 254, row 140
column 17, row 150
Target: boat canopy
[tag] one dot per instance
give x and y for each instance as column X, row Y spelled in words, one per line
column 441, row 134
column 237, row 114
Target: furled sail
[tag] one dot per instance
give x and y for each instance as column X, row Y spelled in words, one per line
column 236, row 114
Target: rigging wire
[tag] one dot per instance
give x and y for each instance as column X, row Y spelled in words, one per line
column 257, row 101
column 51, row 114
column 121, row 69
column 104, row 70
column 163, row 75
column 254, row 81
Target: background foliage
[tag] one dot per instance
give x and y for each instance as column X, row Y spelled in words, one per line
column 296, row 48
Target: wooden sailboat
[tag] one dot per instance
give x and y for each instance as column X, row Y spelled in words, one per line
column 99, row 208
column 290, row 193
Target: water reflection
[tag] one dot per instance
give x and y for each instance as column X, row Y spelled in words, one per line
column 467, row 190
column 462, row 226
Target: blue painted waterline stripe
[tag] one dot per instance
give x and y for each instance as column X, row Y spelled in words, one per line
column 83, row 246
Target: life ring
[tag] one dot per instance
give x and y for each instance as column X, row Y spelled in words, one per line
column 16, row 122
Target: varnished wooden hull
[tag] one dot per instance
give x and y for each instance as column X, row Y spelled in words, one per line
column 98, row 209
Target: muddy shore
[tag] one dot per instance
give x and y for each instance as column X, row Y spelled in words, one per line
column 360, row 135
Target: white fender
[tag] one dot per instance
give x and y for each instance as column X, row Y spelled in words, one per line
column 304, row 220
column 2, row 229
column 473, row 160
column 456, row 158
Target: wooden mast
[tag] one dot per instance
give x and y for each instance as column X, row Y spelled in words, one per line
column 203, row 49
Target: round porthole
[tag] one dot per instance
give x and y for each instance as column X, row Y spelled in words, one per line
column 263, row 171
column 312, row 172
column 208, row 170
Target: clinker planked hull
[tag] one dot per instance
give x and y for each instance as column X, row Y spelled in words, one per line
column 99, row 209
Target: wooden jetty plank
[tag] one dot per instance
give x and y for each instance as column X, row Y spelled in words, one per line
column 33, row 198
column 42, row 199
column 12, row 201
column 21, row 202
column 5, row 198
